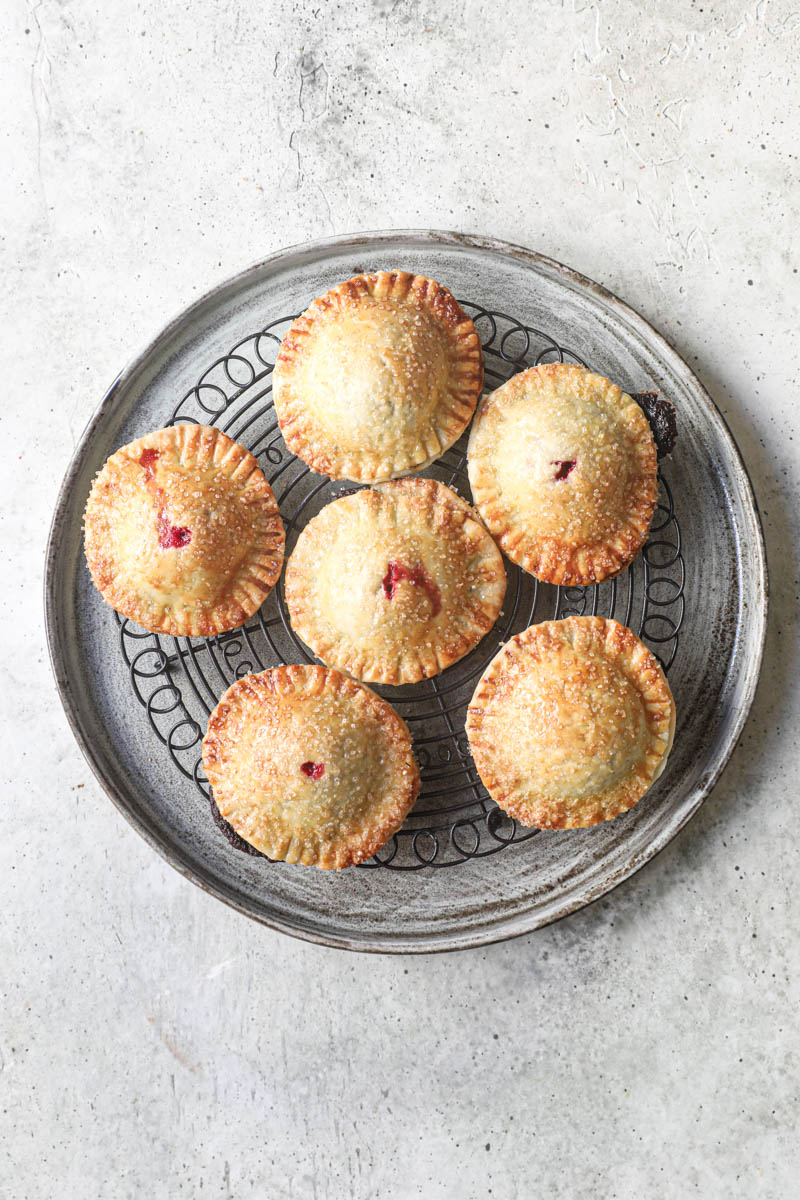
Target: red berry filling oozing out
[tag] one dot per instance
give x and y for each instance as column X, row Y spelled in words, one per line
column 170, row 537
column 313, row 770
column 397, row 571
column 147, row 460
column 564, row 465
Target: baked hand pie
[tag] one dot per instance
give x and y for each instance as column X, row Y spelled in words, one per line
column 394, row 584
column 309, row 766
column 562, row 466
column 571, row 723
column 182, row 532
column 378, row 377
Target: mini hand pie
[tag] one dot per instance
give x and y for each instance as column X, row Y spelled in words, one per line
column 562, row 466
column 378, row 377
column 571, row 723
column 309, row 766
column 394, row 584
column 182, row 532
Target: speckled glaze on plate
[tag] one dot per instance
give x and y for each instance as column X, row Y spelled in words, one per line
column 526, row 886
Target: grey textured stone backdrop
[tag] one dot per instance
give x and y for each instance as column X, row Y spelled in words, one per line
column 154, row 1043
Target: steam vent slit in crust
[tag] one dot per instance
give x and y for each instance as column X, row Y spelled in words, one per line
column 183, row 533
column 563, row 469
column 378, row 377
column 396, row 583
column 571, row 723
column 309, row 766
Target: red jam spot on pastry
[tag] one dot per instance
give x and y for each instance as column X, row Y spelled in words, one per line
column 416, row 575
column 564, row 467
column 172, row 537
column 313, row 770
column 147, row 460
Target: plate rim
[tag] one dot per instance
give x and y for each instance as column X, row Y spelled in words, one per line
column 202, row 877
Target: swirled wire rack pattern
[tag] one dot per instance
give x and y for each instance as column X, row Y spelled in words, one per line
column 178, row 681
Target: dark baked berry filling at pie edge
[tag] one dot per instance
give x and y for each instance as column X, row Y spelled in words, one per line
column 661, row 416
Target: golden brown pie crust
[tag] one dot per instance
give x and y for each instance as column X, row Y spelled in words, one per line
column 571, row 723
column 394, row 584
column 309, row 766
column 378, row 377
column 563, row 470
column 182, row 532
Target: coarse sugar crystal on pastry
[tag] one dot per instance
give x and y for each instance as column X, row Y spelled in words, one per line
column 182, row 532
column 563, row 470
column 378, row 377
column 571, row 723
column 310, row 766
column 395, row 583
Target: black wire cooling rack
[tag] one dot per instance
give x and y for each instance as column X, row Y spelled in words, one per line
column 178, row 681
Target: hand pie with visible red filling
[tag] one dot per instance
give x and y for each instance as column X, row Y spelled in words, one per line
column 182, row 532
column 309, row 766
column 395, row 583
column 563, row 470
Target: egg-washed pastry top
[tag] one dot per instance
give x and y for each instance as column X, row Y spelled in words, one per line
column 562, row 466
column 378, row 377
column 182, row 532
column 309, row 766
column 571, row 723
column 394, row 584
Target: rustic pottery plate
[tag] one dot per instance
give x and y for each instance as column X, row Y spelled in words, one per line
column 137, row 704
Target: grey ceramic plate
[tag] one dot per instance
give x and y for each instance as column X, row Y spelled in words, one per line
column 720, row 584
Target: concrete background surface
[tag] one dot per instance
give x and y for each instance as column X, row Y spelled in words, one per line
column 154, row 1043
